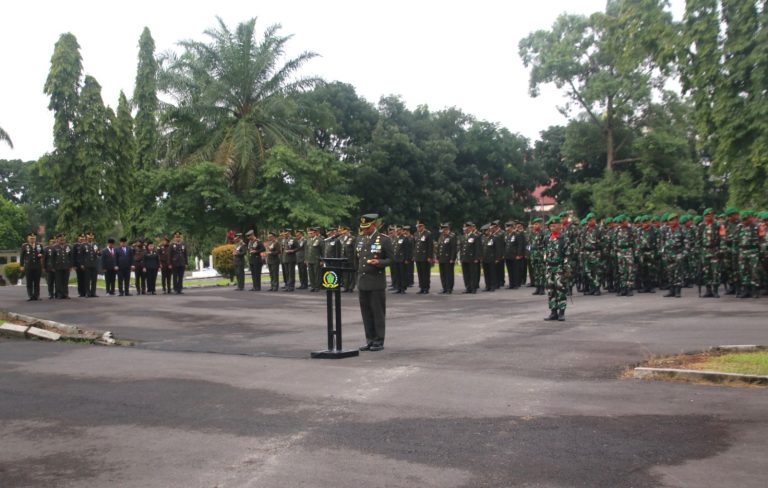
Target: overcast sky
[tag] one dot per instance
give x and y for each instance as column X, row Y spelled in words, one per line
column 441, row 54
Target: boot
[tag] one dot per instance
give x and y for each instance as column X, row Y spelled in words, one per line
column 708, row 294
column 561, row 315
column 670, row 292
column 552, row 315
column 678, row 289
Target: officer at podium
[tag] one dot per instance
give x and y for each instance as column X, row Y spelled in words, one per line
column 374, row 255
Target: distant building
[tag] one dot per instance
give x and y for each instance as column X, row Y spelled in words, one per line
column 544, row 204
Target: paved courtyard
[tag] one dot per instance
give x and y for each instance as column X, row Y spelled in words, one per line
column 471, row 390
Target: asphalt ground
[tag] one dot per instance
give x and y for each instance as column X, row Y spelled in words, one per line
column 471, row 390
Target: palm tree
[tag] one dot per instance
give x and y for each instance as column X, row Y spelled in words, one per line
column 232, row 99
column 5, row 137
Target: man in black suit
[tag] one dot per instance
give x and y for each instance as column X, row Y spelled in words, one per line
column 124, row 260
column 178, row 254
column 109, row 265
column 374, row 255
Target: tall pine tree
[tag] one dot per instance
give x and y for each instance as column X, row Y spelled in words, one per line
column 145, row 101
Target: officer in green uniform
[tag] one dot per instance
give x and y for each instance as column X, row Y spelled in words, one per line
column 489, row 257
column 62, row 264
column 590, row 247
column 625, row 257
column 273, row 261
column 91, row 260
column 674, row 249
column 288, row 253
column 375, row 255
column 470, row 253
column 78, row 261
column 647, row 250
column 748, row 242
column 423, row 255
column 447, row 248
column 48, row 266
column 557, row 259
column 709, row 254
column 730, row 251
column 315, row 251
column 255, row 262
column 32, row 265
column 301, row 259
column 348, row 248
column 238, row 256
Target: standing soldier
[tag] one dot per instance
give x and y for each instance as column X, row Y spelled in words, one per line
column 166, row 268
column 348, row 244
column 282, row 239
column 78, row 260
column 410, row 267
column 590, row 247
column 255, row 250
column 63, row 261
column 536, row 243
column 238, row 259
column 748, row 242
column 179, row 260
column 92, row 258
column 124, row 260
column 625, row 257
column 499, row 244
column 674, row 249
column 315, row 251
column 109, row 265
column 151, row 265
column 400, row 259
column 301, row 259
column 32, row 265
column 288, row 253
column 331, row 244
column 375, row 255
column 50, row 271
column 709, row 248
column 140, row 278
column 470, row 252
column 423, row 256
column 730, row 251
column 647, row 250
column 557, row 256
column 273, row 261
column 446, row 257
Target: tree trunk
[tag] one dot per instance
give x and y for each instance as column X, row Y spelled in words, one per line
column 609, row 144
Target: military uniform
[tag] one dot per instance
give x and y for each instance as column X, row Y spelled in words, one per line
column 625, row 258
column 514, row 253
column 423, row 255
column 238, row 260
column 63, row 261
column 372, row 282
column 402, row 254
column 447, row 248
column 140, row 279
column 557, row 258
column 91, row 261
column 709, row 256
column 489, row 258
column 50, row 272
column 647, row 251
column 536, row 241
column 78, row 262
column 674, row 249
column 315, row 251
column 590, row 256
column 273, row 263
column 470, row 253
column 499, row 238
column 31, row 259
column 747, row 241
column 178, row 252
column 109, row 265
column 301, row 261
column 288, row 253
column 255, row 263
column 348, row 248
column 166, row 268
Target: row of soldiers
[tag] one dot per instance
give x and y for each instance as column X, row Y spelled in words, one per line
column 143, row 259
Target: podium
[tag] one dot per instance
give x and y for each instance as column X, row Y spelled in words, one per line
column 332, row 282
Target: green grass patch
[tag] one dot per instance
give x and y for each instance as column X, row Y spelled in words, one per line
column 754, row 363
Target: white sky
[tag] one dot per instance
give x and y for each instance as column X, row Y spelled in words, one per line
column 441, row 54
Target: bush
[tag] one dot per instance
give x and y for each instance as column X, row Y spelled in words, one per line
column 223, row 260
column 13, row 272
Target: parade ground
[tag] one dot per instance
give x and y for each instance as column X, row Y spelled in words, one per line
column 470, row 391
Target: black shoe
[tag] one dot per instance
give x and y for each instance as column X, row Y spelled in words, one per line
column 561, row 315
column 552, row 315
column 677, row 291
column 366, row 347
column 376, row 347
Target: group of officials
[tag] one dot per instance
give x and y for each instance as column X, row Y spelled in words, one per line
column 143, row 258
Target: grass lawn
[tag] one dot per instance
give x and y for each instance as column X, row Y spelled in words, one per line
column 755, row 363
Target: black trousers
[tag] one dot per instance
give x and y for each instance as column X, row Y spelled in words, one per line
column 81, row 283
column 350, row 279
column 62, row 283
column 240, row 276
column 285, row 271
column 424, row 270
column 124, row 280
column 512, row 272
column 165, row 278
column 50, row 280
column 91, row 275
column 33, row 282
column 446, row 276
column 489, row 273
column 109, row 277
column 178, row 278
column 471, row 273
column 409, row 269
column 255, row 266
column 151, row 277
column 303, row 277
column 141, row 281
column 500, row 273
column 274, row 275
column 289, row 272
column 373, row 307
column 315, row 278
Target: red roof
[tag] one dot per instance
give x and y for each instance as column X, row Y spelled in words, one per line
column 541, row 199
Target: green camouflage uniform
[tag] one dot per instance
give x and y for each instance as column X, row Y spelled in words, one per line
column 625, row 259
column 591, row 240
column 647, row 251
column 708, row 239
column 557, row 257
column 748, row 242
column 674, row 249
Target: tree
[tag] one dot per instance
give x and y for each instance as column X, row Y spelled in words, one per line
column 145, row 101
column 607, row 63
column 232, row 99
column 124, row 197
column 13, row 225
column 5, row 137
